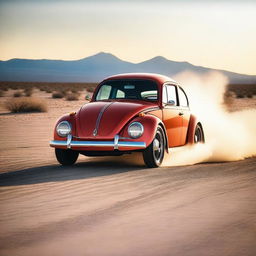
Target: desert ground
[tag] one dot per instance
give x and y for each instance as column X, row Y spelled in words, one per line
column 115, row 206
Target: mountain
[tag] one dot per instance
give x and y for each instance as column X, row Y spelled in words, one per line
column 97, row 67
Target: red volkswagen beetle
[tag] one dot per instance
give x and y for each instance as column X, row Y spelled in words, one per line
column 148, row 113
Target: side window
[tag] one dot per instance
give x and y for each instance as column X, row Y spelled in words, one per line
column 182, row 98
column 120, row 94
column 164, row 95
column 171, row 95
column 104, row 92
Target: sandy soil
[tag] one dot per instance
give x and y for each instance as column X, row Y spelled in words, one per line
column 242, row 104
column 106, row 207
column 26, row 136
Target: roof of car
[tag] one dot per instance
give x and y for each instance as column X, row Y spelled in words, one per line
column 159, row 78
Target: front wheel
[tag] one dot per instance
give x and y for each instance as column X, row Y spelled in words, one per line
column 153, row 155
column 66, row 156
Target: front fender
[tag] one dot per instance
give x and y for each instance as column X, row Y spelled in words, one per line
column 150, row 124
column 71, row 119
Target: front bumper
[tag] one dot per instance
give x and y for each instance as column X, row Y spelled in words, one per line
column 115, row 144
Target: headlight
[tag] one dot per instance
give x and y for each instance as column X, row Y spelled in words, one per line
column 63, row 128
column 135, row 130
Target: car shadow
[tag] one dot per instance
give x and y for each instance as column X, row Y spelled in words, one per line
column 55, row 173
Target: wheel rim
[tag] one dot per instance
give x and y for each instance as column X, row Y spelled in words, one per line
column 158, row 147
column 198, row 135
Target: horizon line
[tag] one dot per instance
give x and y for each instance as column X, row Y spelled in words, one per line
column 135, row 63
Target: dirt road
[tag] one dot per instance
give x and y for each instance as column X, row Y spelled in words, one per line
column 104, row 208
column 116, row 208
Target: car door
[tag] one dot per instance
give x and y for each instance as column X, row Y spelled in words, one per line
column 184, row 112
column 172, row 117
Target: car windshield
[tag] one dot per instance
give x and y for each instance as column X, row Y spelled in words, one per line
column 128, row 89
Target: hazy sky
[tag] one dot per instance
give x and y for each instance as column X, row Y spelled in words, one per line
column 217, row 34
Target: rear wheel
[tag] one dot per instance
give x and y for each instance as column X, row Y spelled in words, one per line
column 199, row 134
column 66, row 156
column 153, row 155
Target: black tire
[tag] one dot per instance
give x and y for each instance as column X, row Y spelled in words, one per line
column 153, row 155
column 199, row 134
column 66, row 156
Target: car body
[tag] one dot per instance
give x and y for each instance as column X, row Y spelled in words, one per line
column 129, row 112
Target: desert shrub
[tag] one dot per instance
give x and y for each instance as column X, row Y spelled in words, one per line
column 229, row 97
column 242, row 89
column 57, row 95
column 74, row 91
column 17, row 94
column 24, row 105
column 44, row 86
column 249, row 96
column 48, row 89
column 240, row 96
column 90, row 89
column 72, row 96
column 64, row 92
column 28, row 91
column 1, row 93
column 88, row 97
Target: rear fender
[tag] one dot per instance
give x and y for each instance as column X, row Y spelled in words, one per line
column 193, row 121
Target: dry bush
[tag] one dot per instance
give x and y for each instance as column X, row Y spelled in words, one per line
column 88, row 97
column 25, row 105
column 64, row 92
column 57, row 95
column 28, row 92
column 48, row 89
column 1, row 93
column 72, row 96
column 229, row 98
column 90, row 89
column 74, row 90
column 242, row 90
column 17, row 94
column 44, row 86
column 240, row 96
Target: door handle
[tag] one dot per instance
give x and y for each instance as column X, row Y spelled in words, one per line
column 181, row 113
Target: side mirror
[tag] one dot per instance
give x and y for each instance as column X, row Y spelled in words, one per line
column 171, row 102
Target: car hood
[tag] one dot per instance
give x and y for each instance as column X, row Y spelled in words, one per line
column 107, row 118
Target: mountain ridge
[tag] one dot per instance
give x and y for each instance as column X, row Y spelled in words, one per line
column 96, row 67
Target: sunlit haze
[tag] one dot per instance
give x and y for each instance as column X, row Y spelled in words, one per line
column 216, row 34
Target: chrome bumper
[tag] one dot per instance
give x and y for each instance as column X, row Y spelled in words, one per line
column 115, row 144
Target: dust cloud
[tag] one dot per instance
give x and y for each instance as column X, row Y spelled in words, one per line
column 229, row 136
